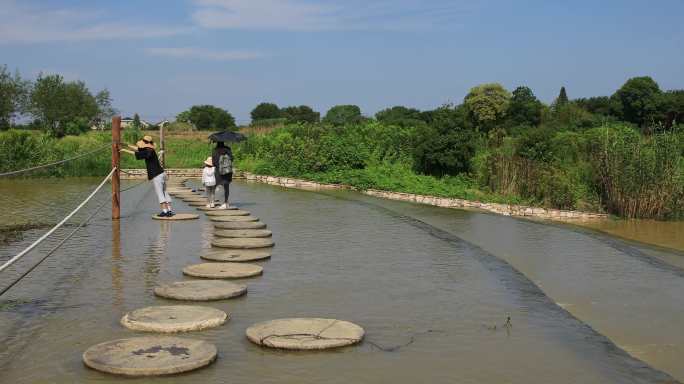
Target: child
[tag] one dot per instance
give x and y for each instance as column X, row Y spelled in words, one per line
column 209, row 181
column 144, row 149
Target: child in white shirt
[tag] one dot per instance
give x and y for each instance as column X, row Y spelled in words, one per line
column 209, row 181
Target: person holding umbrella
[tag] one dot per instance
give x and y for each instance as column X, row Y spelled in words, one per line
column 222, row 159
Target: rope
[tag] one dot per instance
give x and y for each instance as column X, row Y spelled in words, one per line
column 42, row 238
column 79, row 226
column 55, row 163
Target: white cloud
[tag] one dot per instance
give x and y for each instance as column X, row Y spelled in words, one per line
column 30, row 24
column 201, row 53
column 340, row 15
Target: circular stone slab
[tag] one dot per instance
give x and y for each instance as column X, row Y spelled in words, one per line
column 227, row 212
column 216, row 208
column 178, row 216
column 201, row 203
column 302, row 333
column 173, row 318
column 200, row 290
column 150, row 356
column 240, row 225
column 237, row 256
column 243, row 243
column 194, row 198
column 224, row 219
column 243, row 233
column 223, row 270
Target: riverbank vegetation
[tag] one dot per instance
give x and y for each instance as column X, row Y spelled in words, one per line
column 621, row 154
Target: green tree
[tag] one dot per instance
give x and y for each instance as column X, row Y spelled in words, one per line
column 639, row 98
column 300, row 114
column 487, row 105
column 183, row 117
column 343, row 114
column 447, row 145
column 103, row 100
column 265, row 111
column 525, row 108
column 600, row 105
column 205, row 117
column 13, row 91
column 55, row 103
column 562, row 98
column 136, row 121
column 671, row 108
column 400, row 116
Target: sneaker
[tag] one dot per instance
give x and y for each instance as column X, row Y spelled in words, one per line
column 163, row 214
column 208, row 206
column 170, row 214
column 223, row 206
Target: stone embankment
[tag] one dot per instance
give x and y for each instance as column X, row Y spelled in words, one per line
column 503, row 209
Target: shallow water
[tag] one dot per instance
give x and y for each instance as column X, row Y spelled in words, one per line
column 427, row 284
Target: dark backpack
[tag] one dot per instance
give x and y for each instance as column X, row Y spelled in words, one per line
column 225, row 165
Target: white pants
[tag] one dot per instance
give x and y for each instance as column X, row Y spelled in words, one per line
column 159, row 182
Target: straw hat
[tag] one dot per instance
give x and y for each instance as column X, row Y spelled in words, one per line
column 146, row 142
column 209, row 162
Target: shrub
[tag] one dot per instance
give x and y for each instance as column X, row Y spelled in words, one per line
column 340, row 115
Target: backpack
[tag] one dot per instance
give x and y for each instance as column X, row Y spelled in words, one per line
column 225, row 165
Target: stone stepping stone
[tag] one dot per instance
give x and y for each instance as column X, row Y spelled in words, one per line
column 203, row 208
column 243, row 243
column 178, row 190
column 197, row 204
column 178, row 217
column 194, row 198
column 150, row 356
column 200, row 290
column 232, row 219
column 173, row 318
column 240, row 225
column 305, row 333
column 238, row 255
column 227, row 212
column 223, row 270
column 243, row 233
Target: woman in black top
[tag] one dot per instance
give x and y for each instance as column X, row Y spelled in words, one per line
column 223, row 176
column 145, row 150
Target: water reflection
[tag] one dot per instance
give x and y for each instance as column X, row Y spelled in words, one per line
column 117, row 274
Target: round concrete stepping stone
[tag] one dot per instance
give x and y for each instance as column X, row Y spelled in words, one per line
column 232, row 219
column 237, row 255
column 243, row 243
column 227, row 212
column 201, row 203
column 194, row 198
column 223, row 270
column 216, row 208
column 243, row 233
column 240, row 225
column 150, row 356
column 305, row 333
column 173, row 318
column 200, row 290
column 178, row 190
column 178, row 216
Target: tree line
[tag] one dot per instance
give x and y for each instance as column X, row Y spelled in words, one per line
column 622, row 153
column 51, row 103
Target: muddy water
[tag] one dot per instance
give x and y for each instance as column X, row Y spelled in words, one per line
column 666, row 234
column 431, row 287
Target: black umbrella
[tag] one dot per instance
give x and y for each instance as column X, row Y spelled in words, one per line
column 225, row 136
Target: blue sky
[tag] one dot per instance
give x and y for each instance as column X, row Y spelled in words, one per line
column 159, row 57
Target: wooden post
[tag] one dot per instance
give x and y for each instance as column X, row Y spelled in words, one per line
column 161, row 145
column 116, row 163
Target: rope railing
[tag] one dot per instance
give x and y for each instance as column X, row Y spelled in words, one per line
column 61, row 223
column 55, row 163
column 56, row 247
